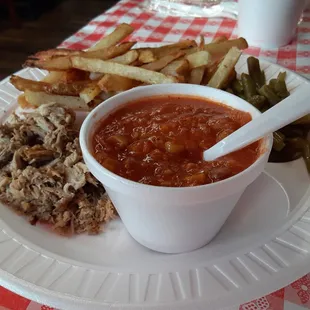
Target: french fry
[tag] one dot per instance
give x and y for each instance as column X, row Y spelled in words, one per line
column 54, row 76
column 38, row 98
column 95, row 76
column 225, row 68
column 177, row 68
column 72, row 75
column 167, row 51
column 120, row 33
column 90, row 92
column 181, row 44
column 163, row 62
column 139, row 74
column 68, row 89
column 146, row 56
column 218, row 50
column 137, row 63
column 127, row 58
column 57, row 63
column 23, row 103
column 202, row 43
column 109, row 52
column 53, row 64
column 191, row 50
column 196, row 75
column 173, row 48
column 114, row 83
column 67, row 76
column 231, row 77
column 78, row 77
column 56, row 52
column 219, row 39
column 199, row 59
column 209, row 72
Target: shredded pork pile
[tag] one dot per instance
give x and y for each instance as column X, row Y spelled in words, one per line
column 43, row 176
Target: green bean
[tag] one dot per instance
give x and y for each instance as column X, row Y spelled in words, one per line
column 272, row 84
column 237, row 86
column 263, row 77
column 269, row 94
column 248, row 86
column 255, row 71
column 264, row 108
column 242, row 96
column 280, row 86
column 278, row 141
column 302, row 145
column 290, row 142
column 257, row 101
column 293, row 131
column 297, row 142
column 306, row 155
column 282, row 76
column 287, row 154
column 292, row 151
column 305, row 120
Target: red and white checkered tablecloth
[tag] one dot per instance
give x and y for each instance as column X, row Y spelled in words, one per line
column 151, row 27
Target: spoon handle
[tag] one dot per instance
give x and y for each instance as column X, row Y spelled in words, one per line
column 288, row 110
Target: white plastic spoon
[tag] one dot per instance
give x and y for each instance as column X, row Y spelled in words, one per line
column 288, row 110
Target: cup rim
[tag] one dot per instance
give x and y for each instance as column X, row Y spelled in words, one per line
column 88, row 124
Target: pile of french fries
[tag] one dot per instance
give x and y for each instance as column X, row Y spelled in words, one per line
column 80, row 79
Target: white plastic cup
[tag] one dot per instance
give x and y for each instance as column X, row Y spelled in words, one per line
column 269, row 23
column 171, row 219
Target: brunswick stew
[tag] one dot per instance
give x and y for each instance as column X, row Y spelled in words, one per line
column 159, row 141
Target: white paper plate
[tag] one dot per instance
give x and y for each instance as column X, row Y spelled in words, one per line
column 264, row 245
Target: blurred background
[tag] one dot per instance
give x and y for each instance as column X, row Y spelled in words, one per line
column 27, row 26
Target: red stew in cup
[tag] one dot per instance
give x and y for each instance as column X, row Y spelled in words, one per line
column 159, row 141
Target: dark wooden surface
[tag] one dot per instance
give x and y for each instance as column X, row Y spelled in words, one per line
column 48, row 31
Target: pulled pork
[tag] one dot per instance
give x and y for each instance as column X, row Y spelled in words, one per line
column 43, row 176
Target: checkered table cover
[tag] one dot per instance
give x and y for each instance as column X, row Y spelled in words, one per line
column 151, row 27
